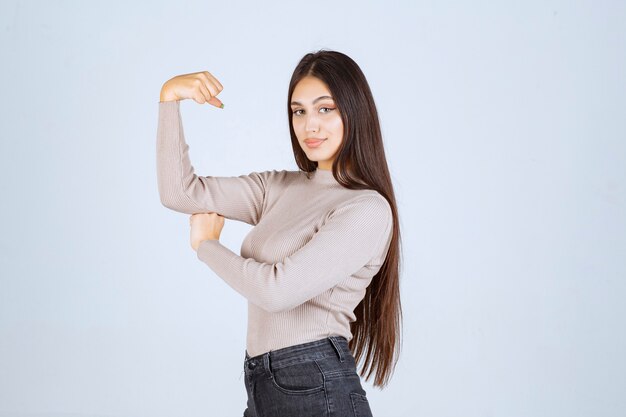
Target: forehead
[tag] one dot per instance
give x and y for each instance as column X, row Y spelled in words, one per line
column 309, row 89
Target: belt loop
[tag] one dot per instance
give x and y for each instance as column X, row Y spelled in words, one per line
column 266, row 362
column 337, row 348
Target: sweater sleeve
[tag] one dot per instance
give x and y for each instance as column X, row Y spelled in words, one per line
column 352, row 236
column 180, row 189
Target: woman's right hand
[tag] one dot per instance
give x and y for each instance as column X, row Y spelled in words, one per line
column 202, row 87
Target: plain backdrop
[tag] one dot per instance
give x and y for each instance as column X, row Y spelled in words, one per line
column 505, row 131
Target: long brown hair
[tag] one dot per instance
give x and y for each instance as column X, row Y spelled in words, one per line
column 360, row 163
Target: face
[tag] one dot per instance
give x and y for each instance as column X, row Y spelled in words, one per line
column 316, row 121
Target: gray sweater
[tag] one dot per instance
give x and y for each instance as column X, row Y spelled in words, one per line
column 312, row 252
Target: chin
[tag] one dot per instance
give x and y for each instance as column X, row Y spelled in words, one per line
column 317, row 159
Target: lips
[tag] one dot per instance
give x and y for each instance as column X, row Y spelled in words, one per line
column 313, row 142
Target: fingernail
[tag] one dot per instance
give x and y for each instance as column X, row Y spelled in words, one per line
column 222, row 106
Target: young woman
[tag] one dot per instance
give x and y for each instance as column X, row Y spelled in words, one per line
column 320, row 269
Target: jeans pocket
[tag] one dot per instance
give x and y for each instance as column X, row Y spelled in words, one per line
column 360, row 405
column 298, row 378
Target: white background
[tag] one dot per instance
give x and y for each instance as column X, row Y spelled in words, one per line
column 504, row 127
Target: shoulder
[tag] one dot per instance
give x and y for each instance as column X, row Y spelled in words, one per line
column 368, row 197
column 368, row 205
column 375, row 202
column 274, row 176
column 281, row 174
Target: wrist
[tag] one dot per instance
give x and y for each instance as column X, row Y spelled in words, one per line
column 167, row 94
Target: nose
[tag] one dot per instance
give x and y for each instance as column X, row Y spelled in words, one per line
column 312, row 124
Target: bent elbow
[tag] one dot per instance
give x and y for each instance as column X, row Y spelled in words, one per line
column 176, row 204
column 168, row 202
column 168, row 195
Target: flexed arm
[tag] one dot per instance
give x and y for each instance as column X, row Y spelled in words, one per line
column 180, row 189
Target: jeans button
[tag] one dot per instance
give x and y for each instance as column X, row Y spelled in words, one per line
column 251, row 365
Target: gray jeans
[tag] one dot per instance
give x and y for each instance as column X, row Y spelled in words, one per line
column 314, row 379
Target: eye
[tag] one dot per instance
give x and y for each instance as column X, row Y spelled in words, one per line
column 326, row 108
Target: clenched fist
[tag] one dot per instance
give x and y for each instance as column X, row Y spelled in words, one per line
column 202, row 87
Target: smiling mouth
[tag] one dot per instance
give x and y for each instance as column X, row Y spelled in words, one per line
column 314, row 143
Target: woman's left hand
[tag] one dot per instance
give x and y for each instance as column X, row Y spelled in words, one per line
column 205, row 226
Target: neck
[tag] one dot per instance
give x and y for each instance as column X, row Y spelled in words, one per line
column 323, row 176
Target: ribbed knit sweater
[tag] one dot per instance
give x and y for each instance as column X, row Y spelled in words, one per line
column 313, row 250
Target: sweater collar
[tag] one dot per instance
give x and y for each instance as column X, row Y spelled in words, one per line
column 323, row 176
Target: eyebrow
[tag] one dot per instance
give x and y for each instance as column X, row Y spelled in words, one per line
column 296, row 103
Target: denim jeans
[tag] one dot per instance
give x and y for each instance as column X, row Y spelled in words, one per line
column 314, row 379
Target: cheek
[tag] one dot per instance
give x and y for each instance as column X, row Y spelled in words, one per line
column 336, row 126
column 298, row 126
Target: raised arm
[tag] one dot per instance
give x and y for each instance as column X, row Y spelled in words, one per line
column 236, row 197
column 180, row 189
column 354, row 235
